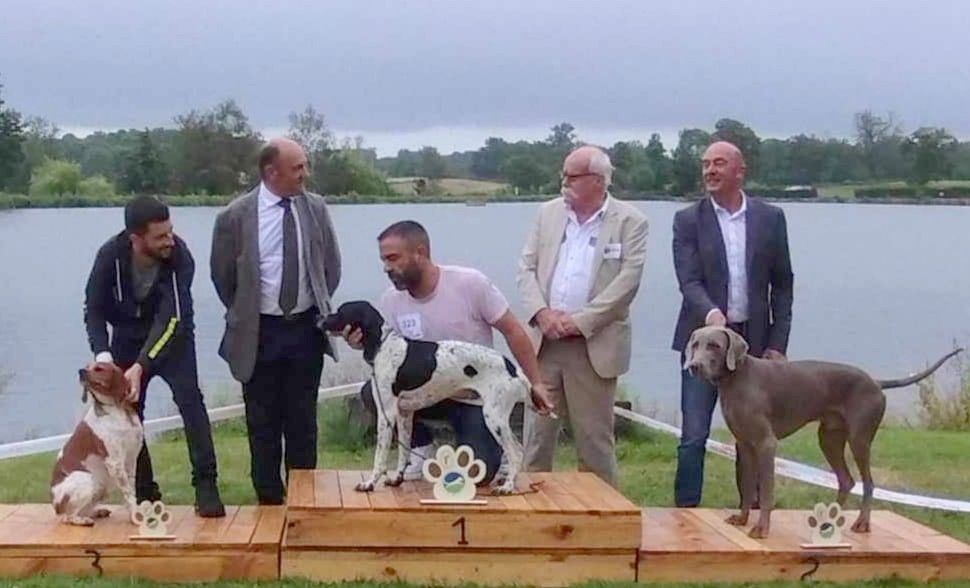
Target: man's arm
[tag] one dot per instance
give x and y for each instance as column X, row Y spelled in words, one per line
column 608, row 305
column 222, row 260
column 98, row 288
column 526, row 279
column 173, row 318
column 687, row 265
column 781, row 295
column 331, row 253
column 525, row 355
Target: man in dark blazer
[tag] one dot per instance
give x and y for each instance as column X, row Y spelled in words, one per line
column 275, row 265
column 733, row 266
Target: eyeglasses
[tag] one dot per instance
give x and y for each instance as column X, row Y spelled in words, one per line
column 566, row 178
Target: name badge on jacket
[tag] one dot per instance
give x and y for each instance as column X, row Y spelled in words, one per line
column 612, row 251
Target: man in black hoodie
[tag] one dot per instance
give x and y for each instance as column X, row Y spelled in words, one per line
column 141, row 285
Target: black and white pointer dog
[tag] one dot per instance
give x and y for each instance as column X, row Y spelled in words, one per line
column 409, row 375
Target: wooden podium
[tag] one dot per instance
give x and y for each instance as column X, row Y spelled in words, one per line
column 572, row 528
column 242, row 545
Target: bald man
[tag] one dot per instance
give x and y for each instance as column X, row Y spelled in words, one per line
column 733, row 267
column 275, row 265
column 579, row 272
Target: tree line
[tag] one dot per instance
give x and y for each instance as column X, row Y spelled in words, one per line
column 213, row 151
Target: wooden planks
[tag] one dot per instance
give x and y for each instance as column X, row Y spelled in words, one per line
column 697, row 545
column 573, row 521
column 435, row 566
column 242, row 545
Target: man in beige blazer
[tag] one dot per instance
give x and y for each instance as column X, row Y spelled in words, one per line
column 579, row 272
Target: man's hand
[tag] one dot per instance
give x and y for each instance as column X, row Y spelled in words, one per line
column 354, row 337
column 133, row 377
column 568, row 325
column 542, row 400
column 775, row 355
column 716, row 318
column 550, row 323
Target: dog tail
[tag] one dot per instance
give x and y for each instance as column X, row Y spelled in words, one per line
column 901, row 382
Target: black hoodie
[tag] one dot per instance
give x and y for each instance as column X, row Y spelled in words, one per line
column 155, row 326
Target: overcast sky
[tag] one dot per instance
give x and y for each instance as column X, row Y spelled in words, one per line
column 450, row 73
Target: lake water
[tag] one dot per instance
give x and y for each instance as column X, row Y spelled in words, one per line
column 884, row 287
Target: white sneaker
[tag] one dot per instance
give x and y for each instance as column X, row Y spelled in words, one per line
column 414, row 469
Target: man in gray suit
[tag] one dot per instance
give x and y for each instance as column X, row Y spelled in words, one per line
column 275, row 264
column 733, row 266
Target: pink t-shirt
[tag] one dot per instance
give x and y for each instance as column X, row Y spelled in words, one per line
column 463, row 307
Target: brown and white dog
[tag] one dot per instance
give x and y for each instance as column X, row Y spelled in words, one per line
column 101, row 453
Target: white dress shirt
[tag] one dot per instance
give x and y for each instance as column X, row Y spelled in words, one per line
column 271, row 256
column 734, row 233
column 571, row 281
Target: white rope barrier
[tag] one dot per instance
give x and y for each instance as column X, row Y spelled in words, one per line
column 783, row 467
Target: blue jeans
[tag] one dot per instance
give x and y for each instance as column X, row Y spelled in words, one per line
column 468, row 422
column 697, row 401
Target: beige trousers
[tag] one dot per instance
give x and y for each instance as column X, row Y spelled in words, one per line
column 585, row 399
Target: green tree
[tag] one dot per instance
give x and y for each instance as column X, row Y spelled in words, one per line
column 488, row 160
column 431, row 164
column 54, row 177
column 742, row 137
column 96, row 187
column 216, row 150
column 347, row 172
column 660, row 164
column 687, row 160
column 931, row 149
column 524, row 172
column 562, row 138
column 145, row 172
column 879, row 140
column 309, row 129
column 11, row 147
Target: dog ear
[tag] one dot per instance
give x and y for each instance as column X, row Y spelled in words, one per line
column 736, row 350
column 84, row 393
column 689, row 350
column 119, row 385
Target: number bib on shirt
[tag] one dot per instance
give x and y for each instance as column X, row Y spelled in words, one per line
column 410, row 325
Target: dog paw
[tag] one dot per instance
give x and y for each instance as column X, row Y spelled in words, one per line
column 396, row 479
column 101, row 512
column 364, row 487
column 505, row 488
column 738, row 520
column 758, row 532
column 861, row 526
column 80, row 521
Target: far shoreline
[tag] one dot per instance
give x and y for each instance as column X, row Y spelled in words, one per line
column 24, row 202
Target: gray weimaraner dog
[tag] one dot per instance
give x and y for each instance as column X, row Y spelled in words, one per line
column 767, row 400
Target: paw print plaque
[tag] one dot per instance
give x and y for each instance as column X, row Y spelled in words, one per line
column 152, row 519
column 826, row 523
column 454, row 473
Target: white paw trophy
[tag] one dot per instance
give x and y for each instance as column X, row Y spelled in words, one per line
column 454, row 473
column 152, row 519
column 826, row 523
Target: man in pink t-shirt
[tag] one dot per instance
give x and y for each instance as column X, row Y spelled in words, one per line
column 431, row 302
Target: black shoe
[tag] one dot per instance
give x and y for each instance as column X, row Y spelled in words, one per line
column 151, row 494
column 270, row 501
column 207, row 501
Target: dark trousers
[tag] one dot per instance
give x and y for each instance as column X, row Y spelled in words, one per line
column 468, row 422
column 697, row 401
column 281, row 401
column 180, row 372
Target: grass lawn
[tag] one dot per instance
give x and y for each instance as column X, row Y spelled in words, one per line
column 930, row 462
